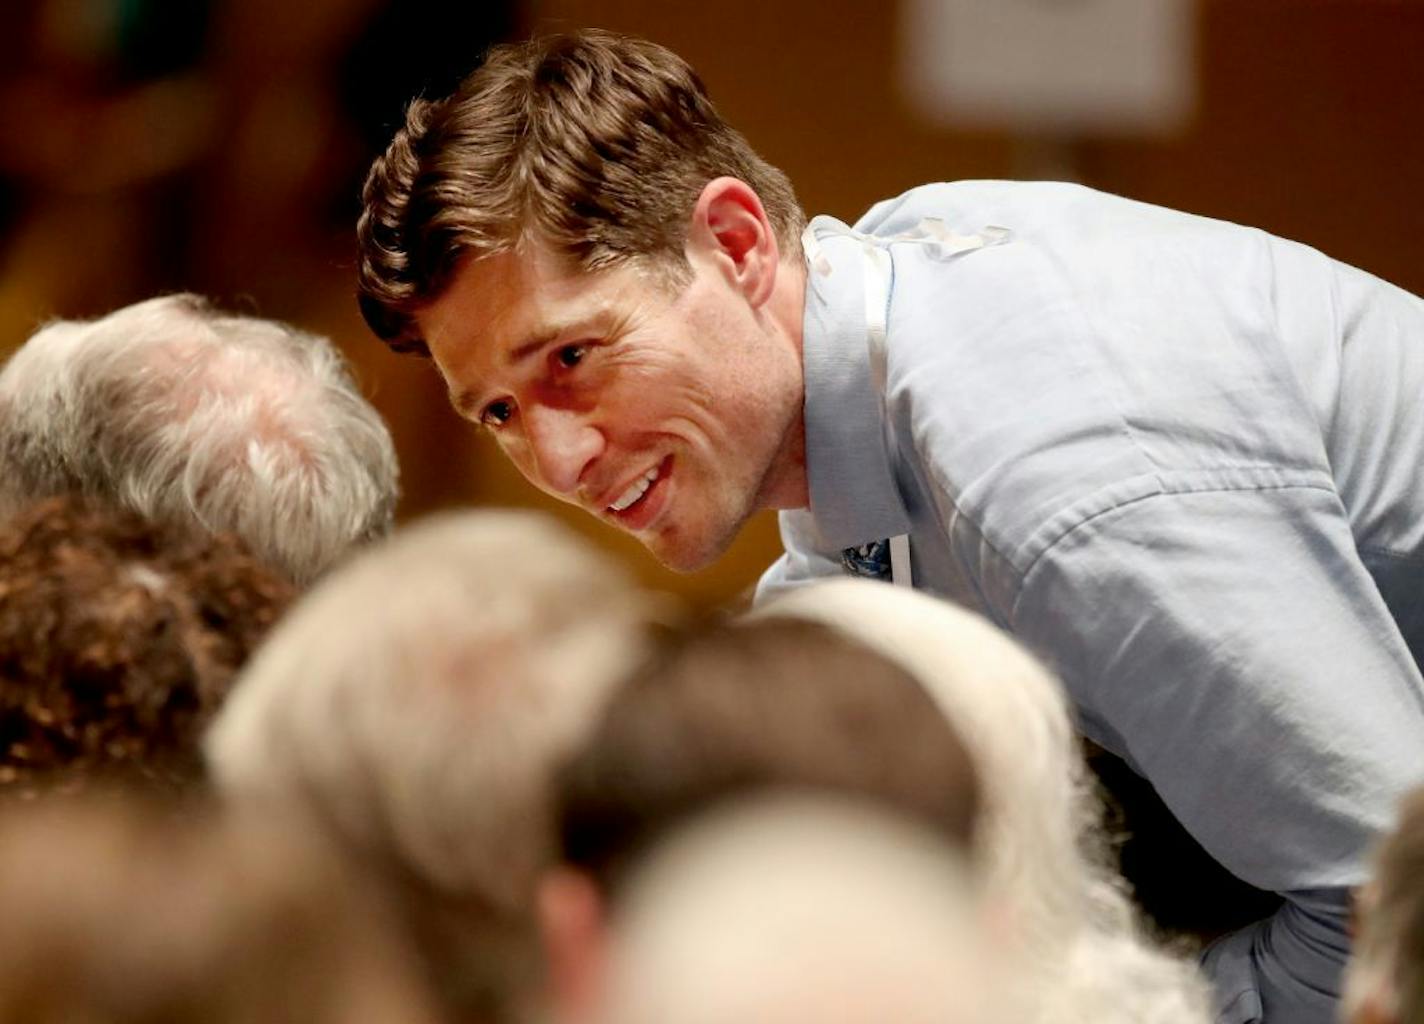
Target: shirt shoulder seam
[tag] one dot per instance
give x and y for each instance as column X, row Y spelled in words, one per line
column 1300, row 480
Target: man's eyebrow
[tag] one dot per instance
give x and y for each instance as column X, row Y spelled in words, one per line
column 545, row 336
column 593, row 322
column 467, row 401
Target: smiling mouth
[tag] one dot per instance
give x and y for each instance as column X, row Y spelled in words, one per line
column 636, row 490
column 635, row 507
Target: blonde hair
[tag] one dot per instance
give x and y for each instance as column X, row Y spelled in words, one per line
column 1040, row 840
column 419, row 700
column 1386, row 967
column 784, row 908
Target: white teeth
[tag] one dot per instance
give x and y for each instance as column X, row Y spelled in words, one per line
column 638, row 488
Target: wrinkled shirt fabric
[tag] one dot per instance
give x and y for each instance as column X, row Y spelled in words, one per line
column 1180, row 460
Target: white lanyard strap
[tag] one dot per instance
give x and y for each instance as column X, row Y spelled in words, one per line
column 878, row 271
column 879, row 276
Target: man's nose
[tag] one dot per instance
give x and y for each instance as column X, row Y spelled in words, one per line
column 563, row 443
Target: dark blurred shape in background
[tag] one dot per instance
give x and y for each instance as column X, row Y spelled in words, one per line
column 219, row 145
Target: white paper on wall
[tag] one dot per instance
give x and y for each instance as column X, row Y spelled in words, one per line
column 1064, row 66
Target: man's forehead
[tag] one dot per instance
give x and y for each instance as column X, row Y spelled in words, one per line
column 507, row 297
column 480, row 293
column 500, row 308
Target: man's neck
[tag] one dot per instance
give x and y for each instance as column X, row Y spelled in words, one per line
column 790, row 298
column 786, row 485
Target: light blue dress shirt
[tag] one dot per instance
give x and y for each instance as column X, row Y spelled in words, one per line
column 1181, row 460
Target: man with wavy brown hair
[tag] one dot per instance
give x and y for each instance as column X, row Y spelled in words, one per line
column 578, row 158
column 1177, row 458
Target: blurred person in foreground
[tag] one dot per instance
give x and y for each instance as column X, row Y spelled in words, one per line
column 1384, row 981
column 135, row 914
column 415, row 705
column 1178, row 458
column 788, row 909
column 721, row 714
column 192, row 416
column 1040, row 844
column 119, row 641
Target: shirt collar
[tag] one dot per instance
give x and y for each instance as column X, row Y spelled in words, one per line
column 854, row 496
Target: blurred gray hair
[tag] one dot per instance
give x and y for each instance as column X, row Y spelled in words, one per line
column 188, row 415
column 780, row 909
column 1041, row 840
column 1385, row 976
column 420, row 699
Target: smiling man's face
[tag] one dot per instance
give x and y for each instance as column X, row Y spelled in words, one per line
column 671, row 414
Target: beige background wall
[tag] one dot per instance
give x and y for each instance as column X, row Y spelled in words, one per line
column 1307, row 124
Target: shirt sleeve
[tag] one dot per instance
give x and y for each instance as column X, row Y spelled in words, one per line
column 802, row 562
column 1233, row 647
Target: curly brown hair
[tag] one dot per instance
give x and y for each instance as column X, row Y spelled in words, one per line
column 594, row 144
column 119, row 640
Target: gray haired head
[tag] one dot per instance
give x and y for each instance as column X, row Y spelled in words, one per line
column 190, row 415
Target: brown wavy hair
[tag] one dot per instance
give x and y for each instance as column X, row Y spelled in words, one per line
column 593, row 144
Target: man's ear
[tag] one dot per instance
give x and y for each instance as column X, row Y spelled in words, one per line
column 574, row 935
column 730, row 227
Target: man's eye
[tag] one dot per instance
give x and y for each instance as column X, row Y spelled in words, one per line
column 570, row 356
column 496, row 413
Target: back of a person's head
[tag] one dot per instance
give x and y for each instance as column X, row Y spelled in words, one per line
column 417, row 701
column 785, row 909
column 593, row 144
column 133, row 914
column 1012, row 713
column 1384, row 982
column 1041, row 841
column 745, row 707
column 192, row 416
column 119, row 641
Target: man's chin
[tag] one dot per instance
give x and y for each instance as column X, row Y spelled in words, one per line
column 687, row 554
column 685, row 561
